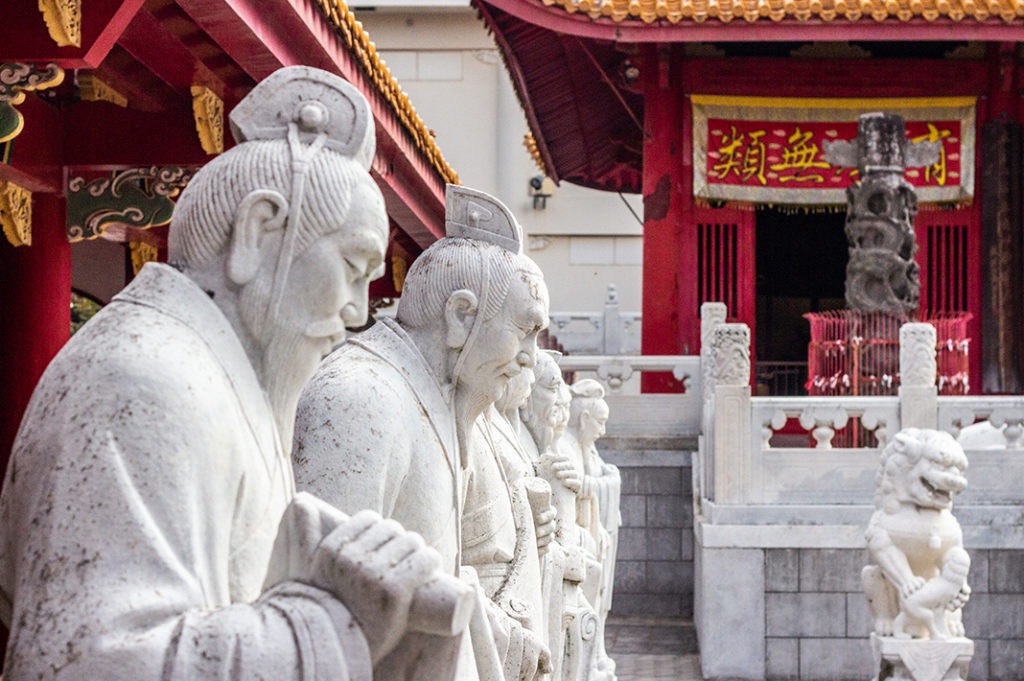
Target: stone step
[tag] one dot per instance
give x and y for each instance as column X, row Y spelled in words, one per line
column 681, row 443
column 648, row 635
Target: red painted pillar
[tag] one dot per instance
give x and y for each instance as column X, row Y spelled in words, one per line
column 666, row 200
column 35, row 303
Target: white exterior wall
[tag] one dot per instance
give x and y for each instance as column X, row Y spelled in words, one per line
column 445, row 60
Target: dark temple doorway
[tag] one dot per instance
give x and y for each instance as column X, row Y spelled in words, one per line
column 801, row 267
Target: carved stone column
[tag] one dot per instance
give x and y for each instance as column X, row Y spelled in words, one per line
column 881, row 275
column 918, row 394
column 732, row 471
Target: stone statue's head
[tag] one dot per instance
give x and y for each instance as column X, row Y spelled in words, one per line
column 560, row 412
column 479, row 290
column 290, row 216
column 539, row 412
column 920, row 468
column 588, row 412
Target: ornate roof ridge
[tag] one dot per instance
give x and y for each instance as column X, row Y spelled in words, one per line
column 357, row 40
column 699, row 11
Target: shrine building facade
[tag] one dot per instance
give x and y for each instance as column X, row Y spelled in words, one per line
column 719, row 113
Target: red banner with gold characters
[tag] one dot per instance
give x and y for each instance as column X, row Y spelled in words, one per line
column 771, row 150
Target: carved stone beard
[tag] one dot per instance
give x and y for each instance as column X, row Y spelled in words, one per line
column 516, row 394
column 287, row 358
column 539, row 425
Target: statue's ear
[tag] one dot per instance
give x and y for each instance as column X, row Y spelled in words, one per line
column 459, row 314
column 261, row 211
column 586, row 418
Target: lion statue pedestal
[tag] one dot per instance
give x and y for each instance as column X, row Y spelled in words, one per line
column 916, row 583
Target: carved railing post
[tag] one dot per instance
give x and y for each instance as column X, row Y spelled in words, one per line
column 918, row 394
column 731, row 462
column 711, row 316
column 612, row 322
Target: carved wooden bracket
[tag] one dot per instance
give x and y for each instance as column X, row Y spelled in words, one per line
column 63, row 20
column 15, row 80
column 137, row 197
column 141, row 254
column 16, row 213
column 92, row 89
column 208, row 110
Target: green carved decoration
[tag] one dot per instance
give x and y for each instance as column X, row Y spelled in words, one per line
column 15, row 80
column 11, row 122
column 136, row 197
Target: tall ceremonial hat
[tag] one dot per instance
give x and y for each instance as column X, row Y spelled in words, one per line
column 316, row 102
column 472, row 214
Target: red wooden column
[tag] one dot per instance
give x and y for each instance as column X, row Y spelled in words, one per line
column 35, row 303
column 1000, row 178
column 666, row 184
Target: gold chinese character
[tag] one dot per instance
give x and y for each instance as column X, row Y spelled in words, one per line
column 742, row 154
column 938, row 169
column 800, row 156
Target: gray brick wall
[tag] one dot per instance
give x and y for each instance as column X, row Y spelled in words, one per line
column 817, row 620
column 654, row 570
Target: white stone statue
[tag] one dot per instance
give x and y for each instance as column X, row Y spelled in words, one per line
column 148, row 523
column 507, row 520
column 570, row 570
column 599, row 494
column 916, row 584
column 387, row 421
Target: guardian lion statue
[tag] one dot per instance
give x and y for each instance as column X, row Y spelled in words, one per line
column 916, row 584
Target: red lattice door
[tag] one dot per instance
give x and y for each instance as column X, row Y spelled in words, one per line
column 949, row 255
column 725, row 262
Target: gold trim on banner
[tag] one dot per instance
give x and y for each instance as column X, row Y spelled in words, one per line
column 837, row 103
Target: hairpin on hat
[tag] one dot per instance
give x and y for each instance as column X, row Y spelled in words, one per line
column 316, row 102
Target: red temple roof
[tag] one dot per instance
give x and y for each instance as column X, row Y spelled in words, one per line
column 576, row 64
column 149, row 55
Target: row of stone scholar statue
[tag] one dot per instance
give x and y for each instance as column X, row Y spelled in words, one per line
column 151, row 524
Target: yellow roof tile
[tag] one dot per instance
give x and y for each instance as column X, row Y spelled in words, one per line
column 358, row 43
column 725, row 11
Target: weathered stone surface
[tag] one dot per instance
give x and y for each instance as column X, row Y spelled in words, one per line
column 670, row 576
column 782, row 659
column 782, row 570
column 652, row 480
column 630, row 577
column 979, row 578
column 831, row 569
column 979, row 667
column 1006, row 660
column 805, row 614
column 664, row 544
column 858, row 616
column 634, row 510
column 732, row 596
column 835, row 659
column 995, row 616
column 1005, row 571
column 669, row 511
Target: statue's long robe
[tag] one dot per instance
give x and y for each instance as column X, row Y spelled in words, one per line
column 375, row 429
column 140, row 508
